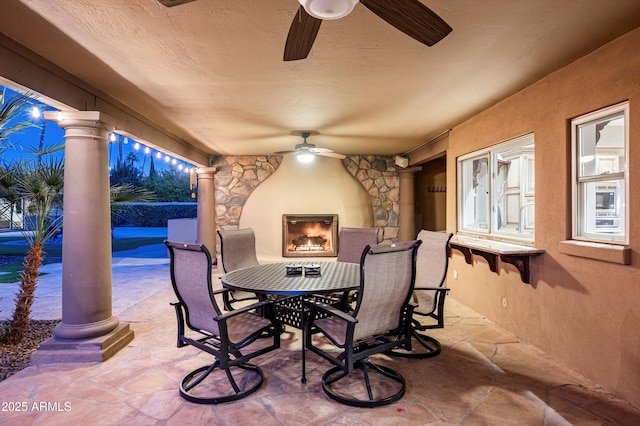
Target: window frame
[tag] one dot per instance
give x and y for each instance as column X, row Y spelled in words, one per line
column 524, row 143
column 579, row 226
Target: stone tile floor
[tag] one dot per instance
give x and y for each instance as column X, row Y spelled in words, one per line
column 484, row 376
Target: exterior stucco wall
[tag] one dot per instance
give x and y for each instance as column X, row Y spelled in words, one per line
column 581, row 311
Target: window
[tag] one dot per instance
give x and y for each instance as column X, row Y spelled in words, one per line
column 599, row 146
column 497, row 191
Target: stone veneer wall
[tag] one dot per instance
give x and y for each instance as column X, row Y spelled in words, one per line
column 238, row 176
column 235, row 179
column 379, row 176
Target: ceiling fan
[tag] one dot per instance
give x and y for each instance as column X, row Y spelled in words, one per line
column 170, row 3
column 409, row 16
column 305, row 151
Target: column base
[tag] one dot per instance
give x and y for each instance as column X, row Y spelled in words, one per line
column 75, row 332
column 95, row 349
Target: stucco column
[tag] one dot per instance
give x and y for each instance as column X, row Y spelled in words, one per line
column 207, row 209
column 407, row 204
column 86, row 242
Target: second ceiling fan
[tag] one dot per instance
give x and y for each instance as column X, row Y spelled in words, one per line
column 305, row 151
column 409, row 16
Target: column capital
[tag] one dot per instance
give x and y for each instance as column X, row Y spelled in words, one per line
column 82, row 124
column 206, row 172
column 76, row 118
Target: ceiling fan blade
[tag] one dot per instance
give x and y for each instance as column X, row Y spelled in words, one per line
column 286, row 152
column 331, row 154
column 302, row 34
column 171, row 3
column 412, row 18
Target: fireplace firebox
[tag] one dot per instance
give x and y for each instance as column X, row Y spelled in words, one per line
column 309, row 235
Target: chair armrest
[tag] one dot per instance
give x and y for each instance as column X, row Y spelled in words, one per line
column 330, row 310
column 433, row 288
column 179, row 308
column 221, row 290
column 243, row 309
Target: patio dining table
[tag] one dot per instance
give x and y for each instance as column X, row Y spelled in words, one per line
column 309, row 278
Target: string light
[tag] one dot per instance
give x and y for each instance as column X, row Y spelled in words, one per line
column 113, row 137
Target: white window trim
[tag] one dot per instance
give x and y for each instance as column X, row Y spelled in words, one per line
column 575, row 123
column 477, row 154
column 527, row 239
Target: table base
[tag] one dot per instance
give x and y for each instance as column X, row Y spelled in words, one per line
column 289, row 310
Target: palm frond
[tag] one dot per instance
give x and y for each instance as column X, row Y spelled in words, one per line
column 121, row 194
column 41, row 188
column 9, row 183
column 13, row 115
column 122, row 197
column 52, row 174
column 47, row 149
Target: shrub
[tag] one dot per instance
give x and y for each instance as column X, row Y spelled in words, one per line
column 151, row 214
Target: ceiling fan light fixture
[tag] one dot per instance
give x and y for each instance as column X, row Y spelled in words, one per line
column 305, row 157
column 328, row 9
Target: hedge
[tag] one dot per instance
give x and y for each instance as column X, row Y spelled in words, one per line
column 150, row 214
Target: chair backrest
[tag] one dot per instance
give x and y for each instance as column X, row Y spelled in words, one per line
column 237, row 249
column 190, row 268
column 352, row 241
column 431, row 266
column 387, row 276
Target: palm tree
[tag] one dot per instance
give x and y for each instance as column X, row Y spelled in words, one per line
column 40, row 187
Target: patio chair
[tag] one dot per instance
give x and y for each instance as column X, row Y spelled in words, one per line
column 222, row 334
column 238, row 250
column 375, row 326
column 351, row 243
column 431, row 271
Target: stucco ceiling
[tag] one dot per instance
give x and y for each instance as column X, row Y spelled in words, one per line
column 211, row 71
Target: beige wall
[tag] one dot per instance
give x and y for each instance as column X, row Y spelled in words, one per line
column 583, row 312
column 323, row 186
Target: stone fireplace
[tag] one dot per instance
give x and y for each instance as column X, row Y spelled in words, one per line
column 255, row 191
column 309, row 235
